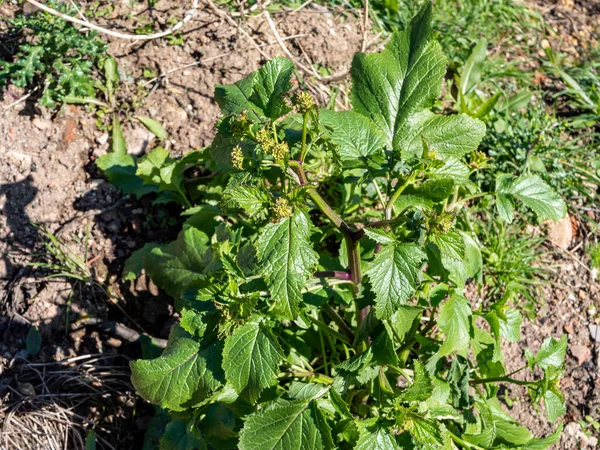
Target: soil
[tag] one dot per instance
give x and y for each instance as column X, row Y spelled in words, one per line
column 48, row 177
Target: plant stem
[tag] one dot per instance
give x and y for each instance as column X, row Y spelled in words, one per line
column 304, row 149
column 337, row 274
column 390, row 206
column 501, row 380
column 318, row 377
column 339, row 321
column 464, row 443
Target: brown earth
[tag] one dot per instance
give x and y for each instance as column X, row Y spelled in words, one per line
column 47, row 177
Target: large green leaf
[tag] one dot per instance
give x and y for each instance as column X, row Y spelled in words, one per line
column 251, row 359
column 405, row 78
column 261, row 94
column 449, row 136
column 470, row 75
column 357, row 136
column 285, row 425
column 186, row 370
column 180, row 264
column 394, row 275
column 287, row 260
column 455, row 321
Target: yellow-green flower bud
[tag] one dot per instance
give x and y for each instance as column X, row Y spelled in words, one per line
column 282, row 208
column 304, row 102
column 237, row 158
column 280, row 151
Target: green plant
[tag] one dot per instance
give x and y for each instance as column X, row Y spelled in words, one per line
column 53, row 57
column 320, row 274
column 594, row 253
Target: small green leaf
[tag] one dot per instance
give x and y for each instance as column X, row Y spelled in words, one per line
column 551, row 353
column 402, row 319
column 135, row 263
column 251, row 359
column 154, row 127
column 287, row 260
column 455, row 321
column 554, row 405
column 394, row 275
column 253, row 200
column 90, row 440
column 271, row 83
column 421, row 389
column 33, row 341
column 540, row 197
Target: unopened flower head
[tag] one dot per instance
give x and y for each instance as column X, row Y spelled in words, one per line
column 265, row 140
column 280, row 151
column 237, row 158
column 282, row 208
column 304, row 102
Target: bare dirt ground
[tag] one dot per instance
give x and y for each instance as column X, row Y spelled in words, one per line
column 47, row 177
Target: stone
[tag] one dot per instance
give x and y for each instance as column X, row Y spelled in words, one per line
column 581, row 353
column 594, row 332
column 560, row 233
column 41, row 124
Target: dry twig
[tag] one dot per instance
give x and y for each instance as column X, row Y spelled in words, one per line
column 133, row 37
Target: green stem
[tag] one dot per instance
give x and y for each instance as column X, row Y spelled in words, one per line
column 390, row 206
column 464, row 443
column 323, row 353
column 318, row 377
column 304, row 149
column 339, row 321
column 501, row 380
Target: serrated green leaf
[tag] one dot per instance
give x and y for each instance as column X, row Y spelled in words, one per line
column 379, row 439
column 451, row 245
column 186, row 370
column 426, row 432
column 179, row 435
column 544, row 443
column 251, row 359
column 380, row 236
column 554, row 405
column 235, row 98
column 180, row 264
column 253, row 200
column 540, row 197
column 394, row 275
column 402, row 319
column 271, row 83
column 455, row 321
column 405, row 78
column 551, row 353
column 421, row 388
column 285, row 425
column 357, row 136
column 287, row 260
column 384, row 351
column 449, row 136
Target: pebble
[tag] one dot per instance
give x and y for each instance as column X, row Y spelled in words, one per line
column 102, row 139
column 594, row 332
column 581, row 353
column 41, row 124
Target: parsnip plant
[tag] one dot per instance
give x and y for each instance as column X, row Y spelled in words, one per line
column 320, row 273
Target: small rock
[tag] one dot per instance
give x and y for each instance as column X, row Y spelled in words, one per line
column 594, row 332
column 561, row 233
column 581, row 353
column 114, row 342
column 102, row 139
column 41, row 124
